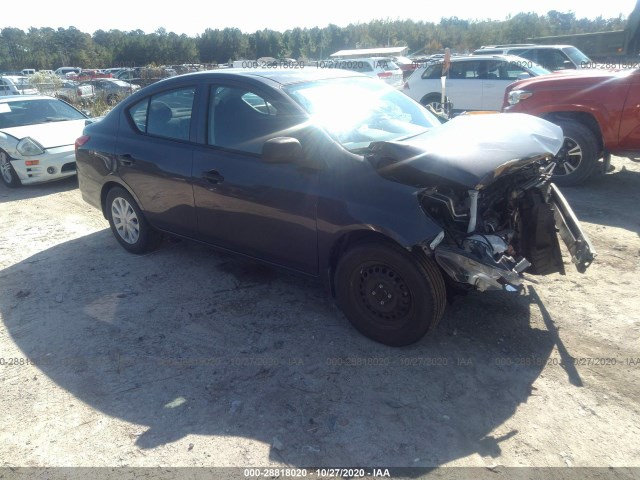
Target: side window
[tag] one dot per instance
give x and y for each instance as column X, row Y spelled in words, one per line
column 511, row 70
column 463, row 70
column 138, row 114
column 243, row 120
column 433, row 71
column 166, row 115
column 554, row 60
column 531, row 54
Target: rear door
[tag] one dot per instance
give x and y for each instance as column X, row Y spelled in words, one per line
column 464, row 84
column 154, row 155
column 499, row 74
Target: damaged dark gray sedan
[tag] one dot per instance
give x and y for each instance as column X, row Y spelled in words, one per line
column 338, row 176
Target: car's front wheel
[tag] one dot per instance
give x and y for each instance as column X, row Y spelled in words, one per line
column 128, row 223
column 7, row 172
column 388, row 294
column 578, row 157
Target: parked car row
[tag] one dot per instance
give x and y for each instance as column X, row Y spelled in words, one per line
column 594, row 107
column 472, row 82
column 110, row 90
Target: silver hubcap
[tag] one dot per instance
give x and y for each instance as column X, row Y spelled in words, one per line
column 5, row 168
column 125, row 220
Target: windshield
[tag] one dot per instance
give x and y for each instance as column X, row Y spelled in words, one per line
column 31, row 112
column 577, row 57
column 358, row 111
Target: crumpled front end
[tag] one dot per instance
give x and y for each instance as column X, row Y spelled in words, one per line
column 492, row 237
column 485, row 180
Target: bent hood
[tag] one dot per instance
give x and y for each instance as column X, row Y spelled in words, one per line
column 470, row 150
column 49, row 135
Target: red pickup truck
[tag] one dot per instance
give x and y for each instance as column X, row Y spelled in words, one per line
column 599, row 112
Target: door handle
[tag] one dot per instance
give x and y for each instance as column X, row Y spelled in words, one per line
column 127, row 159
column 213, row 176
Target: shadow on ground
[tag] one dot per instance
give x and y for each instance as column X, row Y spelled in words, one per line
column 33, row 191
column 187, row 341
column 610, row 199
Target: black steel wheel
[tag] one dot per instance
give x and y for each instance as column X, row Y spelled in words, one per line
column 389, row 295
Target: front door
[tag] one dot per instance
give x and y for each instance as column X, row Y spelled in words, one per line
column 266, row 211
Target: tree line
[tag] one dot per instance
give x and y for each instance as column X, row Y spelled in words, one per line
column 48, row 48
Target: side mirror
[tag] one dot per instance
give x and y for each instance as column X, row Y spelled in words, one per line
column 282, row 150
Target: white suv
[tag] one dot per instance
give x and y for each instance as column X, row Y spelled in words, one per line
column 472, row 82
column 378, row 67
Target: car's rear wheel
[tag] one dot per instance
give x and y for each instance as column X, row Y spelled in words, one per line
column 7, row 172
column 578, row 157
column 388, row 294
column 112, row 99
column 434, row 100
column 128, row 223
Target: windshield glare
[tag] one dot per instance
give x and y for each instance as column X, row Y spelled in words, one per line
column 32, row 112
column 358, row 111
column 577, row 57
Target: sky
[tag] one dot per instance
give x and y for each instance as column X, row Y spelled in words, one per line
column 192, row 17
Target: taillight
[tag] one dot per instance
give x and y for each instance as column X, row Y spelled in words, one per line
column 80, row 141
column 385, row 75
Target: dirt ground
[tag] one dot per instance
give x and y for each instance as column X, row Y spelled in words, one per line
column 187, row 357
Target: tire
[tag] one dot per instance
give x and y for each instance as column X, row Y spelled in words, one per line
column 7, row 172
column 112, row 100
column 411, row 290
column 433, row 99
column 577, row 159
column 128, row 223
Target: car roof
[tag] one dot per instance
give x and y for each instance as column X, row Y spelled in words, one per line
column 283, row 76
column 521, row 47
column 22, row 98
column 488, row 56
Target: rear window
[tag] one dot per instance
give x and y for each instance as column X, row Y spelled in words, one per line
column 356, row 65
column 386, row 64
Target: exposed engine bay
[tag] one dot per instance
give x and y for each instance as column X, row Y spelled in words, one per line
column 499, row 213
column 494, row 235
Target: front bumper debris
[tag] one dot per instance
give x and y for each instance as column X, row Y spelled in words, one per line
column 570, row 230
